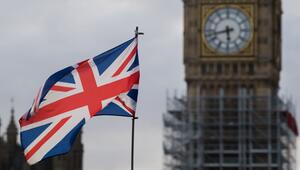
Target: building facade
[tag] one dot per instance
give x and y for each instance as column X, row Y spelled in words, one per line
column 232, row 117
column 12, row 158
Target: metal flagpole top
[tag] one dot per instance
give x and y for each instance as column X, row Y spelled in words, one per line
column 137, row 33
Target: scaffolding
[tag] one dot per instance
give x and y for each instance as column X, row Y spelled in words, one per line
column 243, row 132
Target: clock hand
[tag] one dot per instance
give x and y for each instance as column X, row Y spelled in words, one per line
column 216, row 33
column 221, row 32
column 228, row 30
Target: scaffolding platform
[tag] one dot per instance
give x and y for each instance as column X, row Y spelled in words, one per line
column 242, row 132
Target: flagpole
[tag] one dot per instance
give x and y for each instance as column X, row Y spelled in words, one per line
column 132, row 142
column 137, row 33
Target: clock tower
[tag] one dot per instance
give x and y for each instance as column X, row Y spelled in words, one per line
column 232, row 118
column 232, row 44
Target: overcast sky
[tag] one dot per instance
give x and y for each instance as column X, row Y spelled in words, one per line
column 38, row 38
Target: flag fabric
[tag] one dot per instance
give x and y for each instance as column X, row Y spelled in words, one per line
column 104, row 85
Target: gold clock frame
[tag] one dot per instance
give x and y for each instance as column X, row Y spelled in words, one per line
column 248, row 50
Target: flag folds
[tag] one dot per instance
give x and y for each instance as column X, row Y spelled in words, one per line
column 104, row 85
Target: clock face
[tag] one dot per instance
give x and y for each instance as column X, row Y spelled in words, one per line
column 227, row 30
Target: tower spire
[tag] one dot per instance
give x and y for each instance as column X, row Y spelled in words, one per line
column 0, row 127
column 12, row 128
column 12, row 110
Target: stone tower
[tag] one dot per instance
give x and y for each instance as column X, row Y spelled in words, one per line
column 11, row 135
column 12, row 157
column 249, row 58
column 232, row 116
column 12, row 131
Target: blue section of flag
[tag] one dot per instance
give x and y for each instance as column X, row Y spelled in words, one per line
column 113, row 110
column 66, row 143
column 68, row 79
column 133, row 94
column 54, row 79
column 135, row 63
column 104, row 60
column 29, row 135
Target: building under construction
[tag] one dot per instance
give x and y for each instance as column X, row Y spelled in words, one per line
column 231, row 117
column 241, row 132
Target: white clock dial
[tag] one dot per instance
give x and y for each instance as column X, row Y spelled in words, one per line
column 227, row 30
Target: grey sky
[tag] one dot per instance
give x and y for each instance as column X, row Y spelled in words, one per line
column 41, row 37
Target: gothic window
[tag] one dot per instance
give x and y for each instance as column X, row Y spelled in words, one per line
column 235, row 68
column 251, row 69
column 204, row 69
column 219, row 68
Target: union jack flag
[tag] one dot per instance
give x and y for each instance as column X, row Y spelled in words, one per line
column 104, row 85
